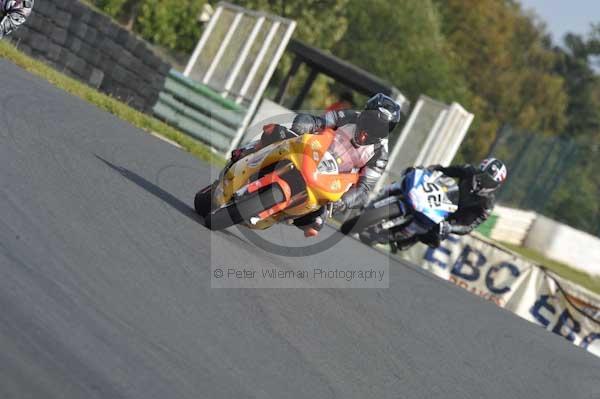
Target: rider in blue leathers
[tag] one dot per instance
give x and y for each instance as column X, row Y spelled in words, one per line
column 477, row 186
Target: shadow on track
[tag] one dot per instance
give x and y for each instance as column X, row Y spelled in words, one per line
column 164, row 196
column 153, row 189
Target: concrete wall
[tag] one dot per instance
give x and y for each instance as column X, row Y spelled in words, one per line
column 89, row 46
column 565, row 244
column 552, row 239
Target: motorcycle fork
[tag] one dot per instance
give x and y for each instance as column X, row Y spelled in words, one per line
column 275, row 178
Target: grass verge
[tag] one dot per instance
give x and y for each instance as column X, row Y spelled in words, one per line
column 568, row 272
column 107, row 103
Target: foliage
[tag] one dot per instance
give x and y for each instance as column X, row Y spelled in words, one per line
column 578, row 185
column 321, row 23
column 574, row 202
column 170, row 23
column 111, row 7
column 402, row 43
column 582, row 83
column 503, row 57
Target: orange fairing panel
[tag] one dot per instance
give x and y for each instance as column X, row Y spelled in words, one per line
column 313, row 153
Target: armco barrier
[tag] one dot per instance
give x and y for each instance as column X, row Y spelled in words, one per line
column 508, row 225
column 199, row 111
column 512, row 225
column 89, row 46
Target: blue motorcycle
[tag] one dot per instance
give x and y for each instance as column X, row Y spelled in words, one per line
column 425, row 199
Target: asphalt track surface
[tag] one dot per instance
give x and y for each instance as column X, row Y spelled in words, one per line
column 105, row 289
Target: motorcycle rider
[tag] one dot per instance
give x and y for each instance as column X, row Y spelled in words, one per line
column 13, row 14
column 360, row 145
column 477, row 186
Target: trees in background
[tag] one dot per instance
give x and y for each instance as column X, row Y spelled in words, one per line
column 111, row 7
column 508, row 68
column 402, row 42
column 575, row 200
column 169, row 23
column 321, row 23
column 563, row 186
column 574, row 64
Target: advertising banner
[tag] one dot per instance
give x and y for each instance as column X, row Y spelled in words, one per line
column 500, row 276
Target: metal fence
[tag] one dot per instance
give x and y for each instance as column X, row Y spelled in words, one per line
column 199, row 111
column 237, row 55
column 555, row 176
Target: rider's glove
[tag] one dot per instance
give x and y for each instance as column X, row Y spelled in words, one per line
column 273, row 132
column 339, row 206
column 444, row 231
column 8, row 6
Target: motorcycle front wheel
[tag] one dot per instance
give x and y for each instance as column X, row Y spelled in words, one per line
column 242, row 209
column 369, row 217
column 203, row 200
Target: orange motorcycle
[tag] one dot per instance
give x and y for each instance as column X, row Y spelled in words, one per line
column 282, row 181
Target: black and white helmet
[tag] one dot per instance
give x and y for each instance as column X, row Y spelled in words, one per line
column 377, row 120
column 492, row 173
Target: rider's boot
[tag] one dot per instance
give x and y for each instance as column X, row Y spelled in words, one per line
column 404, row 237
column 403, row 245
column 310, row 231
column 311, row 223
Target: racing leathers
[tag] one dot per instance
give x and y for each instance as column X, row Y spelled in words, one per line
column 473, row 209
column 368, row 160
column 13, row 14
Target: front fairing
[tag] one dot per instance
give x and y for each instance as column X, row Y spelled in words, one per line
column 430, row 194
